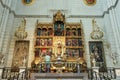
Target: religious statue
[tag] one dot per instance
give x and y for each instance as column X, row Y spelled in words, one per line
column 90, row 1
column 21, row 33
column 2, row 59
column 60, row 48
column 22, row 25
column 37, row 42
column 92, row 56
column 39, row 32
column 24, row 61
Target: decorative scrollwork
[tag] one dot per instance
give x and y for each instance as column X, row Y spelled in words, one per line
column 96, row 33
column 59, row 17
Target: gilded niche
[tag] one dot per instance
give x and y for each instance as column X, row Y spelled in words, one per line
column 59, row 17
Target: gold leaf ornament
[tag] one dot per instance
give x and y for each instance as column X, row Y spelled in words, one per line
column 90, row 2
column 28, row 2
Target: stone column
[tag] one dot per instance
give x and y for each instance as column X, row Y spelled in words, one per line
column 116, row 33
column 6, row 27
column 4, row 22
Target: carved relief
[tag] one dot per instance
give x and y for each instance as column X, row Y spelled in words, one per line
column 58, row 46
column 20, row 54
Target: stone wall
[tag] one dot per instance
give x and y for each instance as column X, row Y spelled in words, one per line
column 12, row 12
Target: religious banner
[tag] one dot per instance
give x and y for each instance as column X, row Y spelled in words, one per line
column 20, row 55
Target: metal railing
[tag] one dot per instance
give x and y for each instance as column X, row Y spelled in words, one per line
column 64, row 66
column 106, row 75
column 14, row 74
column 9, row 74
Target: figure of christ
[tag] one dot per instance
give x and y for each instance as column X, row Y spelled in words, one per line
column 59, row 31
column 59, row 49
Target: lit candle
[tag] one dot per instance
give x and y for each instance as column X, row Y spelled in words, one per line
column 62, row 52
column 55, row 51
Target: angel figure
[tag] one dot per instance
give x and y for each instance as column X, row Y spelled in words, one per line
column 21, row 33
column 114, row 58
column 2, row 58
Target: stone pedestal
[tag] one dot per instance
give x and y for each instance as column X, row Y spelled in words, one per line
column 96, row 69
column 117, row 71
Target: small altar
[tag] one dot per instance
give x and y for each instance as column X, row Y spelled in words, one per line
column 59, row 76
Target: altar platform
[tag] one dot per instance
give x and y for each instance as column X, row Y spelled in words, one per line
column 59, row 76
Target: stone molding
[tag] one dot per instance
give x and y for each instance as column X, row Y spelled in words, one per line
column 83, row 76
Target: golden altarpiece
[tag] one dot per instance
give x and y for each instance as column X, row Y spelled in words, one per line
column 64, row 42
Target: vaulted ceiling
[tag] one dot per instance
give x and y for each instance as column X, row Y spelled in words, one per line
column 69, row 7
